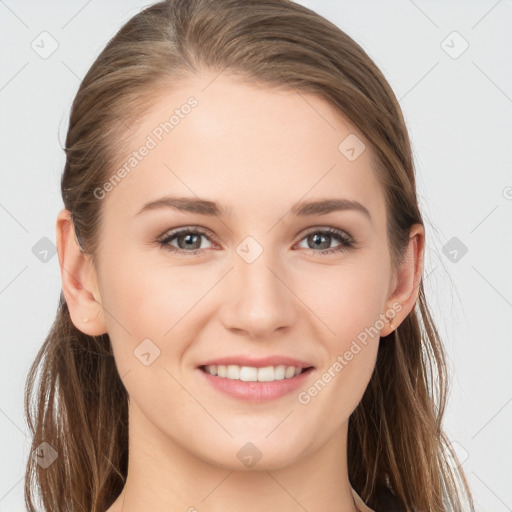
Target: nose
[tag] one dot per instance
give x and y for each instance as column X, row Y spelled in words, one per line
column 261, row 302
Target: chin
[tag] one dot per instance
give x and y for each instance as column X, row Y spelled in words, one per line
column 258, row 454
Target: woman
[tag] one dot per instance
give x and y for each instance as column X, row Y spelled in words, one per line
column 241, row 252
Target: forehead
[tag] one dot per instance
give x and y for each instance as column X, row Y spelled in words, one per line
column 246, row 146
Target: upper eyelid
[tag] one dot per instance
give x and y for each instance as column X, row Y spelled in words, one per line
column 171, row 233
column 314, row 229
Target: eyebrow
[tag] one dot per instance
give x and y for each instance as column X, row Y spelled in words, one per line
column 300, row 209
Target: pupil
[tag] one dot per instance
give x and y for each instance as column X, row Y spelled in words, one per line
column 188, row 240
column 316, row 237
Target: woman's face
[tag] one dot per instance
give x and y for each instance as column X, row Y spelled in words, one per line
column 255, row 288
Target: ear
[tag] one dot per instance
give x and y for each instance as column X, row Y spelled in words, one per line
column 405, row 286
column 79, row 280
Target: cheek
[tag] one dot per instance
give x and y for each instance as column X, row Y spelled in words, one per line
column 146, row 294
column 347, row 298
column 349, row 310
column 148, row 300
column 347, row 302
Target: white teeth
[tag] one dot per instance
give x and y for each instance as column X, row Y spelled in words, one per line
column 279, row 372
column 251, row 374
column 248, row 374
column 290, row 372
column 233, row 372
column 266, row 374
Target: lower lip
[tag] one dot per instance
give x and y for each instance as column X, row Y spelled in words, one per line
column 256, row 392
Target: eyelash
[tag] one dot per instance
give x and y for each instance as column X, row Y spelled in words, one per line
column 346, row 240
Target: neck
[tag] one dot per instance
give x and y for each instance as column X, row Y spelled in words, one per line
column 164, row 476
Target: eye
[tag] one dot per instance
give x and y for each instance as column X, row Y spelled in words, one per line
column 321, row 238
column 188, row 241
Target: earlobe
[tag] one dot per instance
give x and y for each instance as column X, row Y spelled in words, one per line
column 79, row 280
column 405, row 293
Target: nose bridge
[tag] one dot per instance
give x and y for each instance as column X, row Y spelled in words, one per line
column 261, row 302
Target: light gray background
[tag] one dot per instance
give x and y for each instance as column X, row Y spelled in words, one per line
column 458, row 107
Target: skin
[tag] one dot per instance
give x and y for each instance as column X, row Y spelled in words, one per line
column 256, row 151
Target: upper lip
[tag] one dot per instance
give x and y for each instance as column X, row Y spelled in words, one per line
column 258, row 362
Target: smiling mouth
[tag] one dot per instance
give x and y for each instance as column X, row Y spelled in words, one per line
column 253, row 374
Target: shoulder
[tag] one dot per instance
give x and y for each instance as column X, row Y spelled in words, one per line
column 361, row 505
column 384, row 500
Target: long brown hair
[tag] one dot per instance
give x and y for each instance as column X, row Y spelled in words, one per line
column 80, row 406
